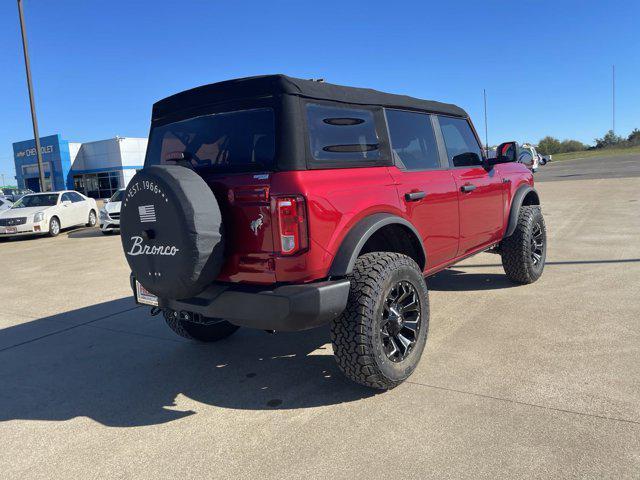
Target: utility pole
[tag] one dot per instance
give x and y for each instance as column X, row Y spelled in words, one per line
column 34, row 119
column 613, row 98
column 486, row 128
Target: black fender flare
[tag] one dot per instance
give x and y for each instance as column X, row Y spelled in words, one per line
column 355, row 240
column 516, row 203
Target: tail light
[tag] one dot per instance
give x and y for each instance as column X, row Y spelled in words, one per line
column 291, row 213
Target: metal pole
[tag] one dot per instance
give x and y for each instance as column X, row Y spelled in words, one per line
column 613, row 97
column 486, row 128
column 34, row 119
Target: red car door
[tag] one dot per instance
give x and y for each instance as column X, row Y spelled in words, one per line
column 480, row 190
column 426, row 187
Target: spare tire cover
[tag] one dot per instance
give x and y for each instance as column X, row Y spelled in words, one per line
column 171, row 231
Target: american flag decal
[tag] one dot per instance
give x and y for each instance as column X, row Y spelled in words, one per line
column 147, row 213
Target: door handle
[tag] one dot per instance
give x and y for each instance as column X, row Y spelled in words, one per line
column 414, row 196
column 468, row 188
column 506, row 180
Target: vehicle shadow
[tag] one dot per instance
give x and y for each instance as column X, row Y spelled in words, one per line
column 457, row 280
column 119, row 366
column 85, row 232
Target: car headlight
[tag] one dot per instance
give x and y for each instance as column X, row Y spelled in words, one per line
column 103, row 214
column 38, row 217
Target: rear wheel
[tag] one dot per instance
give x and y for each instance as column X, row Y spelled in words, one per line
column 92, row 220
column 379, row 338
column 54, row 227
column 210, row 330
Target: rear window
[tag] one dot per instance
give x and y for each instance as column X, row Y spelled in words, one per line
column 342, row 134
column 236, row 141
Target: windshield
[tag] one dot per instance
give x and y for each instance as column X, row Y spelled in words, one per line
column 44, row 200
column 117, row 197
column 237, row 141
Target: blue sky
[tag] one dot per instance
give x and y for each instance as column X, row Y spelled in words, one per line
column 546, row 65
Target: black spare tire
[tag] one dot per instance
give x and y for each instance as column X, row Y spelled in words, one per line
column 171, row 231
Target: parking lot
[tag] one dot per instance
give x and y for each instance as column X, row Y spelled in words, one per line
column 531, row 381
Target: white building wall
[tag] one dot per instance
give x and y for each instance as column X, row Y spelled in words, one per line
column 74, row 148
column 99, row 155
column 132, row 151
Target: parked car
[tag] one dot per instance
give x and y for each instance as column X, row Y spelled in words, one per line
column 285, row 204
column 15, row 194
column 529, row 157
column 48, row 213
column 5, row 203
column 110, row 213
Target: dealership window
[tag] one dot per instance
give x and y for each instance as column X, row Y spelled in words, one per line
column 342, row 134
column 32, row 169
column 98, row 185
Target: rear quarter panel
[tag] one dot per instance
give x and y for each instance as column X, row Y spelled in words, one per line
column 336, row 200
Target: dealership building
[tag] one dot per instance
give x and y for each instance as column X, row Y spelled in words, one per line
column 96, row 169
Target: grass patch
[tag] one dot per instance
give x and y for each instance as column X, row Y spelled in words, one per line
column 604, row 152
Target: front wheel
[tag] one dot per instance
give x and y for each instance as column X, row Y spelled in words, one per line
column 379, row 338
column 210, row 330
column 524, row 253
column 54, row 227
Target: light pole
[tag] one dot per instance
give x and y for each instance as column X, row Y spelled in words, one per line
column 34, row 119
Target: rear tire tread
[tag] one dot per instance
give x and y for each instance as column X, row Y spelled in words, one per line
column 352, row 332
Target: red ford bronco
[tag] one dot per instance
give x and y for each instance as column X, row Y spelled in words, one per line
column 285, row 204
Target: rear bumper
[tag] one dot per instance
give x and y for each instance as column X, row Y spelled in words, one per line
column 286, row 308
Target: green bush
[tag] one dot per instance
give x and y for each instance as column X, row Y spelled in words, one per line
column 549, row 146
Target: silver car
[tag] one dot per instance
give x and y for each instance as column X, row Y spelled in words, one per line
column 110, row 213
column 5, row 203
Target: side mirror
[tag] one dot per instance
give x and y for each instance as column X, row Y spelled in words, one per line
column 505, row 153
column 106, row 200
column 66, row 203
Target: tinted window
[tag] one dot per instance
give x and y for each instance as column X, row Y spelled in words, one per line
column 462, row 147
column 42, row 200
column 342, row 133
column 228, row 142
column 75, row 197
column 413, row 140
column 117, row 197
column 66, row 198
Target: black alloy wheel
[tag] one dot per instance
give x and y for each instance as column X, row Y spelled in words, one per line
column 401, row 318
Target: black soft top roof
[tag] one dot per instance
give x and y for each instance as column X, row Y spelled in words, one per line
column 270, row 85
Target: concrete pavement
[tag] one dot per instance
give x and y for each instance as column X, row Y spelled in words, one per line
column 538, row 381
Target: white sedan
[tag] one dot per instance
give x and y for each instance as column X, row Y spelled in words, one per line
column 48, row 213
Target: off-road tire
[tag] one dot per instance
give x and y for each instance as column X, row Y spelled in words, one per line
column 356, row 335
column 516, row 250
column 202, row 333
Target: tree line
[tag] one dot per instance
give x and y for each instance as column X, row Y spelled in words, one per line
column 551, row 145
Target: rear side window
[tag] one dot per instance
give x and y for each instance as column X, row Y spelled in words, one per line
column 342, row 134
column 236, row 141
column 413, row 141
column 462, row 147
column 75, row 197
